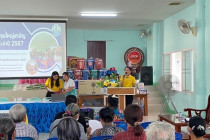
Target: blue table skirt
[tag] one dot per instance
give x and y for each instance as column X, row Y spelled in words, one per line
column 40, row 115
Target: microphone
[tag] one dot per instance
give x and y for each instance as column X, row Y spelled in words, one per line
column 124, row 75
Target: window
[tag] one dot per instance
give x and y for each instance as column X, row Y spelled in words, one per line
column 180, row 64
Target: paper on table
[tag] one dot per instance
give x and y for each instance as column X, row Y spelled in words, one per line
column 94, row 124
column 50, row 90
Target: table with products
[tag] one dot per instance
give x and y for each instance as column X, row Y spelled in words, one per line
column 40, row 114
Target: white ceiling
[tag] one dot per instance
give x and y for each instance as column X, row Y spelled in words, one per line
column 132, row 13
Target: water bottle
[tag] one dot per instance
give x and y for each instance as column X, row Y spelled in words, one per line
column 180, row 114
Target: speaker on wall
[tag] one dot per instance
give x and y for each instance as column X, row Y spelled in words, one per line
column 147, row 75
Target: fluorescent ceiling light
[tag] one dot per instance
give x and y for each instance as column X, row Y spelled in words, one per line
column 99, row 14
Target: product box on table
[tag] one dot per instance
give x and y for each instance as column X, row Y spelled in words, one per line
column 143, row 91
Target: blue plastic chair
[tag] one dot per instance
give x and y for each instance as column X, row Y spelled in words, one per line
column 102, row 138
column 145, row 124
column 178, row 136
column 24, row 138
column 4, row 99
column 52, row 139
column 122, row 125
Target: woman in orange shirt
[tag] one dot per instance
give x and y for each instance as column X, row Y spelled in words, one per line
column 54, row 84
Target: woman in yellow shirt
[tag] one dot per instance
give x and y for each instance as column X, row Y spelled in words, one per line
column 127, row 80
column 54, row 84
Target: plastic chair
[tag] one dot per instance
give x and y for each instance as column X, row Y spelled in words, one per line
column 102, row 138
column 145, row 124
column 4, row 99
column 122, row 125
column 24, row 138
column 178, row 136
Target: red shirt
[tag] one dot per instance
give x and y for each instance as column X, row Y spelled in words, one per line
column 129, row 135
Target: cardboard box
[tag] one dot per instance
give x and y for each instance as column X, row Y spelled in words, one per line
column 89, row 87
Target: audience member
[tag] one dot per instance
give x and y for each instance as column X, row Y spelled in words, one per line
column 53, row 84
column 113, row 104
column 197, row 128
column 106, row 116
column 18, row 114
column 160, row 131
column 69, row 129
column 72, row 110
column 72, row 99
column 7, row 129
column 133, row 118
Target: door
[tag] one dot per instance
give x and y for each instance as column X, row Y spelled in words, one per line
column 97, row 49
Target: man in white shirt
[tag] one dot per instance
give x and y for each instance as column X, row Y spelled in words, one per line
column 69, row 85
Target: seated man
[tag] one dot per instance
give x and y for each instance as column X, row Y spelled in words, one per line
column 71, row 99
column 160, row 131
column 18, row 115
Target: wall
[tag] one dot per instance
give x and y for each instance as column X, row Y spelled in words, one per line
column 207, row 46
column 117, row 42
column 167, row 36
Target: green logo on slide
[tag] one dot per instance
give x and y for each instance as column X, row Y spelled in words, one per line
column 56, row 30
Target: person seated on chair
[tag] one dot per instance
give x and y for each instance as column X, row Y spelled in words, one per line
column 7, row 129
column 72, row 110
column 69, row 129
column 69, row 85
column 133, row 118
column 106, row 116
column 197, row 128
column 113, row 104
column 18, row 115
column 72, row 99
column 53, row 84
column 160, row 131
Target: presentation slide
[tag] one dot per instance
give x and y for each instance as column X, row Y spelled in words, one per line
column 32, row 49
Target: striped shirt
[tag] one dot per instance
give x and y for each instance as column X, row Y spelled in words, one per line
column 26, row 130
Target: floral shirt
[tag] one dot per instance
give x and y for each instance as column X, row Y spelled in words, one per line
column 118, row 115
column 109, row 129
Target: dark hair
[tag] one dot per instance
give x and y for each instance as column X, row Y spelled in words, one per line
column 66, row 73
column 132, row 114
column 70, row 99
column 57, row 84
column 128, row 68
column 113, row 102
column 198, row 126
column 106, row 114
column 7, row 128
column 68, row 129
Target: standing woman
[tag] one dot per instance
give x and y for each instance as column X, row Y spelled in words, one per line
column 53, row 84
column 127, row 80
column 69, row 85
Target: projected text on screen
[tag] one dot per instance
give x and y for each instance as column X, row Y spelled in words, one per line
column 32, row 49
